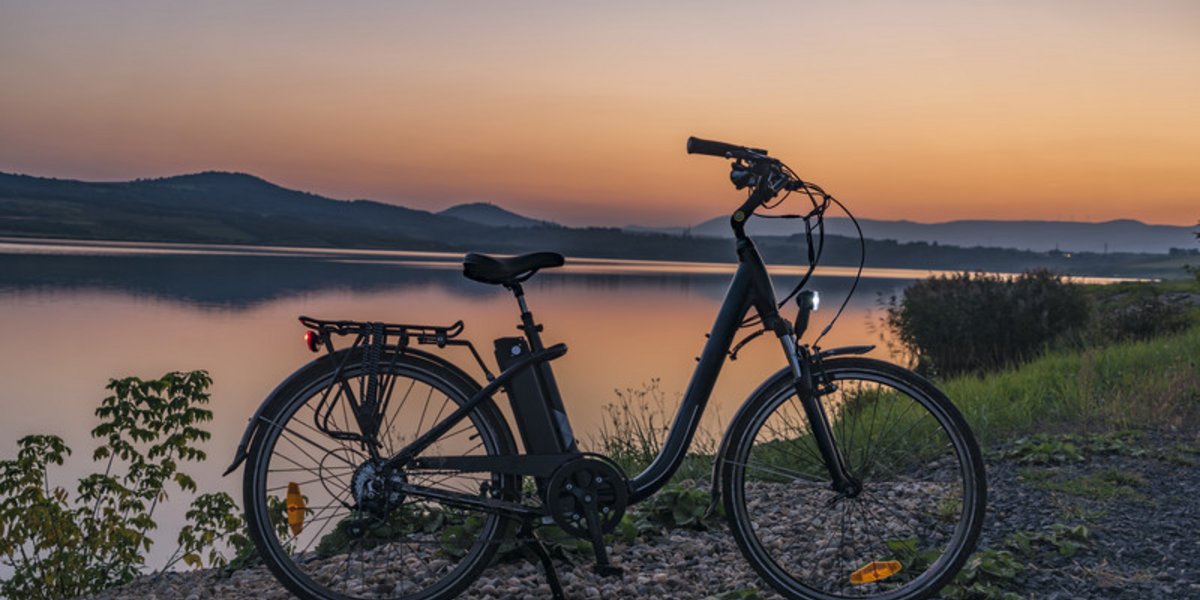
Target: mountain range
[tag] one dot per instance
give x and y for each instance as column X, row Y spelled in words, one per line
column 236, row 208
column 1117, row 236
column 1124, row 235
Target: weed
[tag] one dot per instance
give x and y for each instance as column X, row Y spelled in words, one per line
column 1036, row 474
column 985, row 576
column 677, row 505
column 1104, row 485
column 635, row 426
column 1046, row 449
column 1066, row 540
column 746, row 594
column 1043, row 450
column 989, row 573
column 1076, row 511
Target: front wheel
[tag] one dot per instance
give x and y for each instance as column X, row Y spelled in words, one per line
column 902, row 534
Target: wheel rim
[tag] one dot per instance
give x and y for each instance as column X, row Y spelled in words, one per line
column 359, row 538
column 915, row 509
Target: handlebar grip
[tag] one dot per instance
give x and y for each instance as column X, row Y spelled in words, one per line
column 696, row 145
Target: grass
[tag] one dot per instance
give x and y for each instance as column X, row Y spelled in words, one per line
column 1129, row 385
column 1118, row 388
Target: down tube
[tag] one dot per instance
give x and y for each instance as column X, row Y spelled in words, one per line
column 733, row 310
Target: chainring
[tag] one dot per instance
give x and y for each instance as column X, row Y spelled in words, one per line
column 590, row 482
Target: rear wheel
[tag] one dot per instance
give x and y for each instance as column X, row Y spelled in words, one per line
column 330, row 520
column 907, row 531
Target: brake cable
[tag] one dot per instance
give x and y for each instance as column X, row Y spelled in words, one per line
column 815, row 252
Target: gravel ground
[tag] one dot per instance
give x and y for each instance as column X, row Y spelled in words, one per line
column 1139, row 505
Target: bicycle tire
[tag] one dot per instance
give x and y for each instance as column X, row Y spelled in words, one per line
column 388, row 542
column 809, row 542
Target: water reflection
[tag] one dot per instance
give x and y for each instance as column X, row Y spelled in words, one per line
column 73, row 319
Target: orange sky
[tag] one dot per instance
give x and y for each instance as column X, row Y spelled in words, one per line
column 578, row 112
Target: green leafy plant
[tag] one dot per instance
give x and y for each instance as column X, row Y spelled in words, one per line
column 212, row 518
column 985, row 576
column 1066, row 540
column 1104, row 485
column 677, row 505
column 1049, row 449
column 58, row 545
column 989, row 573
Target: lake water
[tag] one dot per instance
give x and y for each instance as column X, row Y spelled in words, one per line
column 74, row 314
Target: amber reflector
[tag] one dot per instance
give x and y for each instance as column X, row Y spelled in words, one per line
column 875, row 571
column 295, row 508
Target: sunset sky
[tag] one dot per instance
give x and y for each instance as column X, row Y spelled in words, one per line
column 578, row 111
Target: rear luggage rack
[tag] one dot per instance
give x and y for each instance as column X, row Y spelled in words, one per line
column 375, row 335
column 365, row 402
column 424, row 334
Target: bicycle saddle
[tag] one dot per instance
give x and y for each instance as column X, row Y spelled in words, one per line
column 507, row 271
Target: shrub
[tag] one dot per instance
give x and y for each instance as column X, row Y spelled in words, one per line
column 969, row 323
column 1139, row 316
column 54, row 545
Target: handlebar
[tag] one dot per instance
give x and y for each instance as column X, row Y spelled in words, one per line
column 765, row 176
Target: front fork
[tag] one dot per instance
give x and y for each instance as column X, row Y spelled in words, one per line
column 801, row 362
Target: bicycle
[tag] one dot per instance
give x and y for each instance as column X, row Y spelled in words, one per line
column 383, row 470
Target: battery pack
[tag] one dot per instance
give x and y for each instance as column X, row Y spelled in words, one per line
column 536, row 407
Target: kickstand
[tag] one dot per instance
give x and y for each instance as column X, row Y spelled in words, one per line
column 539, row 549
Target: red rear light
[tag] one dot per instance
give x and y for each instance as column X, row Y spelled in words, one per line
column 312, row 340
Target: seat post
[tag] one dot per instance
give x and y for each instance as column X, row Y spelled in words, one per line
column 530, row 328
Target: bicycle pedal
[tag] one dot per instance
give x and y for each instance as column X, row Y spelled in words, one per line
column 609, row 571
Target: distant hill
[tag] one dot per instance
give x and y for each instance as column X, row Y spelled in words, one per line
column 1124, row 235
column 236, row 208
column 486, row 213
column 212, row 207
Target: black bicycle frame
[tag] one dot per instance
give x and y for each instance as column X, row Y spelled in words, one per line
column 751, row 287
column 743, row 293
